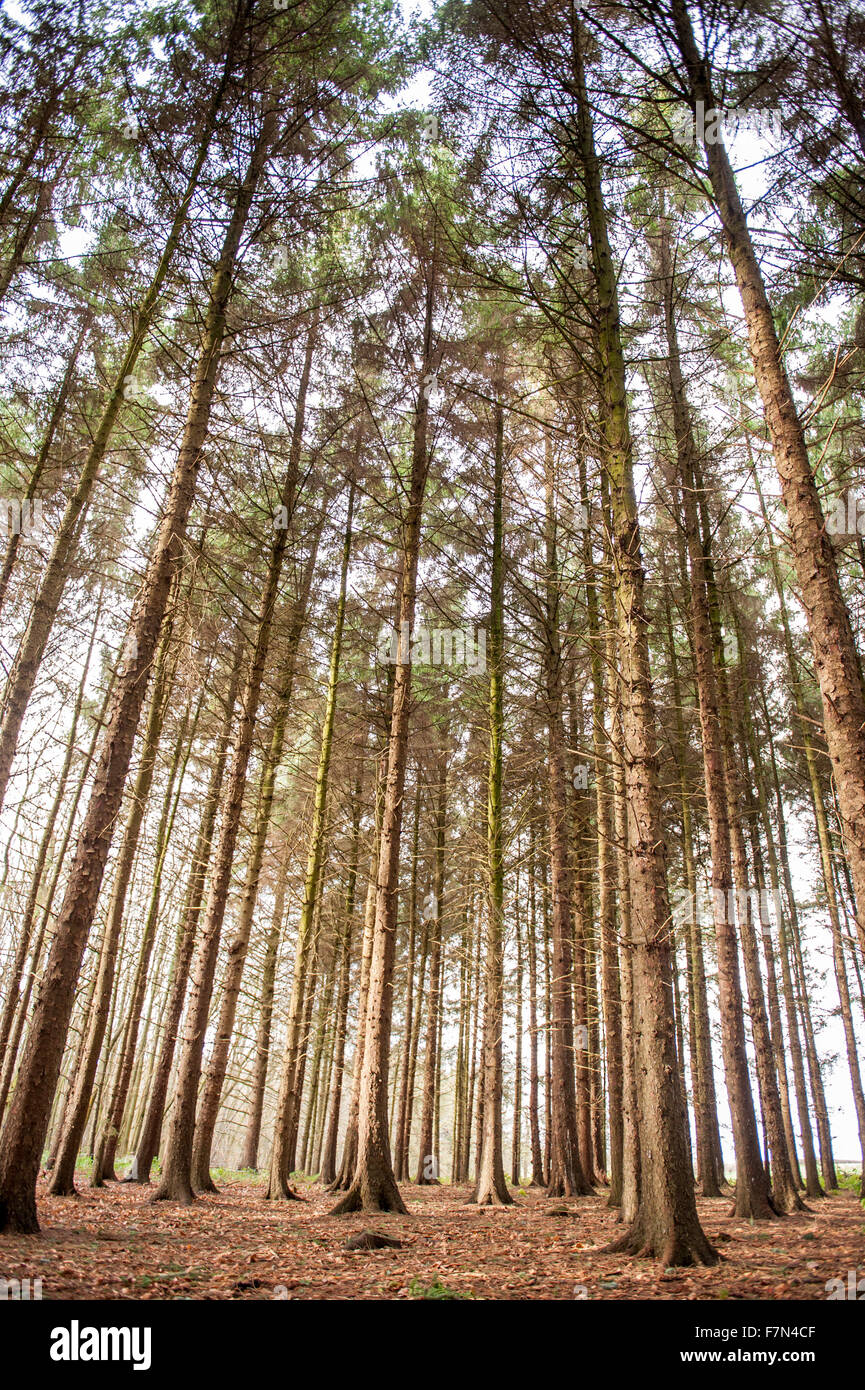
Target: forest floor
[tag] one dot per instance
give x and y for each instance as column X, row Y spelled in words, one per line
column 115, row 1243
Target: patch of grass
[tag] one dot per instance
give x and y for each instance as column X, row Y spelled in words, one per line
column 248, row 1175
column 308, row 1178
column 848, row 1180
column 434, row 1290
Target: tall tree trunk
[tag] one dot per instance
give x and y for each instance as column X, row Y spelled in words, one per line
column 537, row 1178
column 785, row 1195
column 548, row 1033
column 427, row 1166
column 667, row 1224
column 492, row 1189
column 345, row 1176
column 308, row 997
column 373, row 1186
column 631, row 1154
column 757, row 814
column 414, row 1045
column 26, row 1124
column 849, row 1041
column 208, row 1106
column 63, row 1175
column 709, row 1172
column 324, row 1010
column 148, row 1143
column 470, row 1096
column 823, row 835
column 517, row 1135
column 14, row 974
column 566, row 1176
column 821, row 1114
column 288, row 1104
column 265, row 1021
column 328, row 1161
column 176, row 1181
column 461, row 1064
column 25, row 668
column 106, row 1145
column 752, row 1190
column 832, row 641
column 36, row 951
column 403, row 1127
